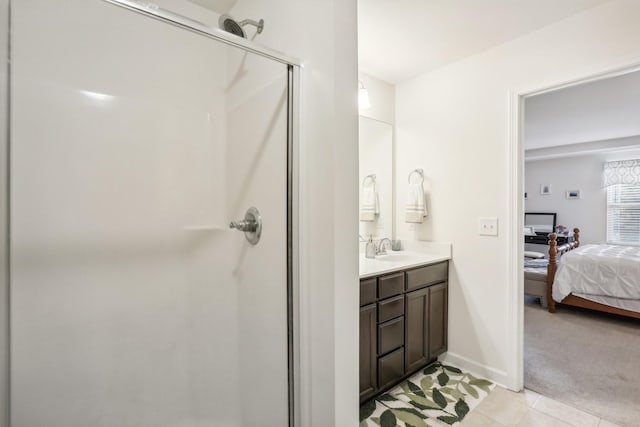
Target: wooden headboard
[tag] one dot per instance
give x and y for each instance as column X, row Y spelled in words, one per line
column 554, row 250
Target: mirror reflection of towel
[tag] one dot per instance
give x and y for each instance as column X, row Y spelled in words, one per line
column 416, row 208
column 370, row 206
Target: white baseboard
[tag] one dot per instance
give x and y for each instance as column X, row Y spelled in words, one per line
column 476, row 369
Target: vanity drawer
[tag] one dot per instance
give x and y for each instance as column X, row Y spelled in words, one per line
column 390, row 368
column 390, row 335
column 367, row 291
column 390, row 285
column 390, row 308
column 428, row 275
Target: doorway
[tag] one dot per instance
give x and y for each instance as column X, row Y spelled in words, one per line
column 551, row 178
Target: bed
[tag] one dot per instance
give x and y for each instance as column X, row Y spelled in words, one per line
column 599, row 277
column 536, row 267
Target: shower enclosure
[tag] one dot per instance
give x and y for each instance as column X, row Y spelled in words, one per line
column 136, row 138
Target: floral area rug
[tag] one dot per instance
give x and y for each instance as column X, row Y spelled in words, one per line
column 439, row 395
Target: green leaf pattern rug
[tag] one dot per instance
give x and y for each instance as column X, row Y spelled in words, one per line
column 439, row 395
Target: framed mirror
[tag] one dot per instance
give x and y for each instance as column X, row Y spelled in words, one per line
column 376, row 169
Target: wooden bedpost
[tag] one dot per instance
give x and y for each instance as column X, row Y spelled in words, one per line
column 551, row 271
column 576, row 236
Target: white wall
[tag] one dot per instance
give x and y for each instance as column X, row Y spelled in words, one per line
column 4, row 285
column 584, row 173
column 454, row 122
column 383, row 99
column 220, row 6
column 323, row 35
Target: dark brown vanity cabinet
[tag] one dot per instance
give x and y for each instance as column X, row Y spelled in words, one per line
column 368, row 351
column 426, row 331
column 403, row 325
column 417, row 336
column 368, row 337
column 438, row 317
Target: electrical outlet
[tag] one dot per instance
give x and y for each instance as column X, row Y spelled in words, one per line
column 488, row 226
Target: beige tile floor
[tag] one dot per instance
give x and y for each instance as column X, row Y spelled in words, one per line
column 504, row 408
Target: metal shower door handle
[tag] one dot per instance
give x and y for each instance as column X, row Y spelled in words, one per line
column 251, row 225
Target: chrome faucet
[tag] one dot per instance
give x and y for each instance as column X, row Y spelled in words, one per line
column 381, row 249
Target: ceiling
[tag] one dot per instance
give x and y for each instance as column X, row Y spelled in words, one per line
column 401, row 39
column 602, row 110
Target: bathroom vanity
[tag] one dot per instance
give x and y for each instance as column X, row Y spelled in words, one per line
column 403, row 317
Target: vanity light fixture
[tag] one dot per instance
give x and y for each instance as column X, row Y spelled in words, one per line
column 363, row 97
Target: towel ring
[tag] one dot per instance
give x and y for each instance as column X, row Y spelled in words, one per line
column 372, row 177
column 419, row 172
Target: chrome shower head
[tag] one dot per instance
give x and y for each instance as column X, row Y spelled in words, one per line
column 230, row 25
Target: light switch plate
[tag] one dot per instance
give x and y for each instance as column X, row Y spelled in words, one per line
column 488, row 226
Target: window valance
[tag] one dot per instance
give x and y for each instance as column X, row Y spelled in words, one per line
column 621, row 172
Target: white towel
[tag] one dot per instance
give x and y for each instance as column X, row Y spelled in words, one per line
column 416, row 208
column 370, row 206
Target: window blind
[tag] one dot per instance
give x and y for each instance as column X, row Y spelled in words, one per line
column 623, row 214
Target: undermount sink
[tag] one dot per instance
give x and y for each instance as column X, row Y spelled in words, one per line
column 391, row 257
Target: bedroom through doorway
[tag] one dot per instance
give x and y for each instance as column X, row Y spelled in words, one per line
column 582, row 182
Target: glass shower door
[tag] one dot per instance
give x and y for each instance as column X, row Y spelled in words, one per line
column 134, row 144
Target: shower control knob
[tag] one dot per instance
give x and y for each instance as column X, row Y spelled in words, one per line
column 251, row 225
column 243, row 225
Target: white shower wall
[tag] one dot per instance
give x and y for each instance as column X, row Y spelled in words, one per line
column 133, row 145
column 256, row 111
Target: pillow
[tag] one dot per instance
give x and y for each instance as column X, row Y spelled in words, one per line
column 534, row 255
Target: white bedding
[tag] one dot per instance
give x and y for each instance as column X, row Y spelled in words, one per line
column 606, row 270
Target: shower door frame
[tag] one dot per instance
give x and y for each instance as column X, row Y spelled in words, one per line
column 5, row 138
column 293, row 135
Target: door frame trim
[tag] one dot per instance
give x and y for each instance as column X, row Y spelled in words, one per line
column 293, row 242
column 516, row 166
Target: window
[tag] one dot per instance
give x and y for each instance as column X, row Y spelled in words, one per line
column 623, row 214
column 622, row 180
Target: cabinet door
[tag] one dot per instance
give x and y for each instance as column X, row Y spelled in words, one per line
column 438, row 318
column 416, row 329
column 391, row 368
column 368, row 346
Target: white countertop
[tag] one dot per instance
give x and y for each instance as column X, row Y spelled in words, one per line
column 398, row 260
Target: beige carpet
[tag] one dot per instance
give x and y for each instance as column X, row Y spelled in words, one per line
column 585, row 359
